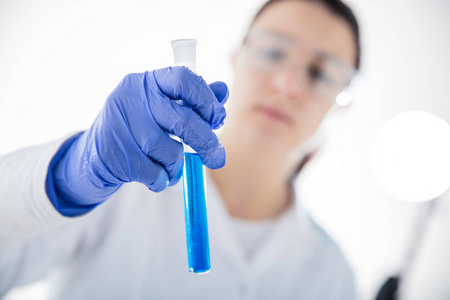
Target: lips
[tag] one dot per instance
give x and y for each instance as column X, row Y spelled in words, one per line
column 275, row 114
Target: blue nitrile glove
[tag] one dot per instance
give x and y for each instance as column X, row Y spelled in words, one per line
column 129, row 140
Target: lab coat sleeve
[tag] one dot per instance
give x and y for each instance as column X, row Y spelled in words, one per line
column 23, row 261
column 25, row 209
column 34, row 237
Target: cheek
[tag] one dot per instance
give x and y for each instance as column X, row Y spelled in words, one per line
column 311, row 118
column 250, row 81
column 248, row 88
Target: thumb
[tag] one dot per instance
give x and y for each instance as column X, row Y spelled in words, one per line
column 220, row 90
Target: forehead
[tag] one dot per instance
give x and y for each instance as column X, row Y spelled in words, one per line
column 310, row 23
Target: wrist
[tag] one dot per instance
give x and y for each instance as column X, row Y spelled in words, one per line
column 71, row 185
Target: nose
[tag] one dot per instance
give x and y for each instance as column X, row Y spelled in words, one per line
column 290, row 83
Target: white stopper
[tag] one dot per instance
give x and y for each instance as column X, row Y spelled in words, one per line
column 184, row 53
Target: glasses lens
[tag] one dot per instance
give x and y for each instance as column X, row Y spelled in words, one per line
column 327, row 79
column 270, row 53
column 266, row 54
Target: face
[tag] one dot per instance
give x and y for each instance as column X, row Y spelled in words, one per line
column 279, row 104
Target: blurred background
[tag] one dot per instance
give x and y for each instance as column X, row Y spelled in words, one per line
column 60, row 59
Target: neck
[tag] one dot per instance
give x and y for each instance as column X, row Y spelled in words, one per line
column 253, row 184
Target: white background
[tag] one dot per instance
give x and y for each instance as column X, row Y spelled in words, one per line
column 60, row 59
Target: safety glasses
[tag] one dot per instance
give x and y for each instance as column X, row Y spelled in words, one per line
column 272, row 52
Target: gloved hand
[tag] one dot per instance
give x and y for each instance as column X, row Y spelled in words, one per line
column 129, row 140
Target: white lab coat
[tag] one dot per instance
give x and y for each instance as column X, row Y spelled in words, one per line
column 133, row 246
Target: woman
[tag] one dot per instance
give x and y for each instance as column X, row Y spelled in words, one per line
column 295, row 59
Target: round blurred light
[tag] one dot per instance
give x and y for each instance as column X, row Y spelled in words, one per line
column 411, row 156
column 344, row 99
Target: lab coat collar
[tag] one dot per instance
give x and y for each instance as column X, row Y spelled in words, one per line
column 289, row 235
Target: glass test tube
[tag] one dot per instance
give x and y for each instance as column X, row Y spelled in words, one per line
column 194, row 187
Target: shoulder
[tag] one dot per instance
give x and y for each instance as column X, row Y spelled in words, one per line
column 329, row 259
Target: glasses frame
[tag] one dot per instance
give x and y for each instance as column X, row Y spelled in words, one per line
column 348, row 72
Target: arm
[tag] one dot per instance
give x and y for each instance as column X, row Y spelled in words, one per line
column 47, row 192
column 24, row 206
column 130, row 139
column 42, row 187
column 34, row 236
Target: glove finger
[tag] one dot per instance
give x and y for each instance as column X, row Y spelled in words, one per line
column 180, row 83
column 145, row 132
column 124, row 158
column 151, row 174
column 167, row 152
column 192, row 129
column 220, row 90
column 196, row 133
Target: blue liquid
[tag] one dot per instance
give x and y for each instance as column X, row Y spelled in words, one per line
column 195, row 214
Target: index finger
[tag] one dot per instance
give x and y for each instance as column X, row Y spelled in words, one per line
column 180, row 83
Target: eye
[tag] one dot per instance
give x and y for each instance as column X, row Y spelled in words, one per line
column 271, row 55
column 317, row 74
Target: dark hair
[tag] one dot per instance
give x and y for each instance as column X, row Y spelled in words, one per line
column 335, row 6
